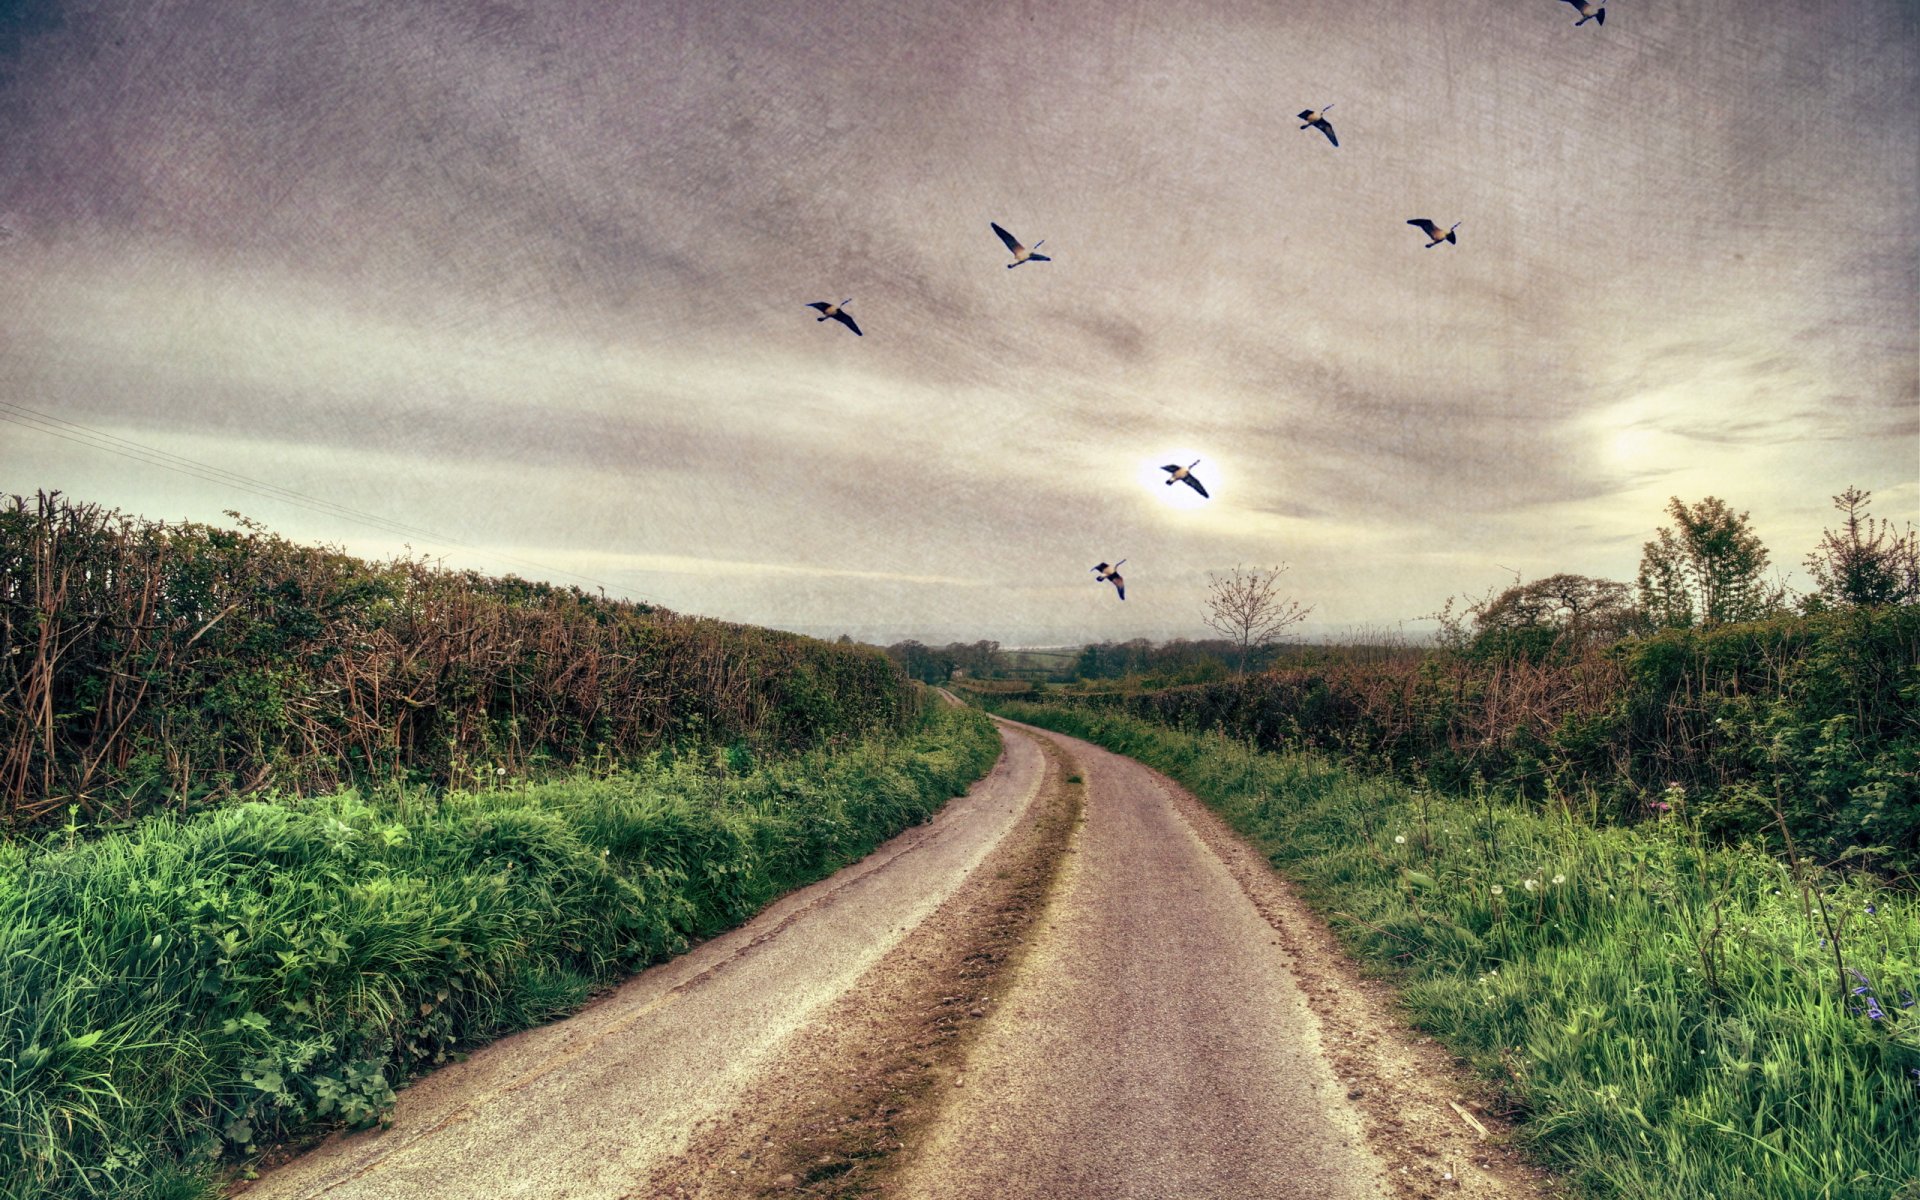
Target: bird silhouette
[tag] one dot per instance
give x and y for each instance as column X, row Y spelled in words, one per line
column 1021, row 253
column 1111, row 574
column 1317, row 119
column 834, row 312
column 1435, row 237
column 1180, row 474
column 1589, row 11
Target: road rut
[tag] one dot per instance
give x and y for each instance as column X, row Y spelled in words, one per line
column 1154, row 1042
column 590, row 1107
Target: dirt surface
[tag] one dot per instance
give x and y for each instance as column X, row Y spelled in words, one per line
column 1154, row 1043
column 1076, row 982
column 865, row 1078
column 590, row 1107
column 1424, row 1116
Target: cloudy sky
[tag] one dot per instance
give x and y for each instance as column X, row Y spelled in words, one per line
column 528, row 279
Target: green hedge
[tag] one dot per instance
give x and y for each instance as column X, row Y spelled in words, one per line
column 1815, row 719
column 193, row 988
column 148, row 665
column 1672, row 1021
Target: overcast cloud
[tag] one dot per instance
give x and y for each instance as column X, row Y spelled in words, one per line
column 531, row 277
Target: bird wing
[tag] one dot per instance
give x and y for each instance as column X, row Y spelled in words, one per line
column 1425, row 224
column 1600, row 17
column 1575, row 3
column 822, row 305
column 1013, row 243
column 1305, row 114
column 1099, row 570
column 1038, row 258
column 1328, row 130
column 1170, row 467
column 1196, row 486
column 1120, row 586
column 846, row 320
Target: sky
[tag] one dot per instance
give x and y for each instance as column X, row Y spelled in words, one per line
column 528, row 279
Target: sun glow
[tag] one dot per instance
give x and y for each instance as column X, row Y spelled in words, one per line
column 1178, row 495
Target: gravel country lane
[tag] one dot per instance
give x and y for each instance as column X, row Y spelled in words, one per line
column 1154, row 1042
column 584, row 1109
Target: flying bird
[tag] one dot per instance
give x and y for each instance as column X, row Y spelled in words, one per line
column 1020, row 253
column 835, row 312
column 1588, row 11
column 1111, row 574
column 1317, row 119
column 1433, row 232
column 1180, row 474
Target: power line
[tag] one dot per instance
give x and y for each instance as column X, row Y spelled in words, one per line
column 97, row 439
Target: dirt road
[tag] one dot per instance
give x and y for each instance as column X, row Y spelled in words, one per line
column 591, row 1106
column 1148, row 1013
column 1155, row 1043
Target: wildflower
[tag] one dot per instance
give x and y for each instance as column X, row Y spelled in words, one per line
column 1558, row 880
column 1399, row 839
column 1498, row 890
column 1874, row 1012
column 1531, row 884
column 1871, row 910
column 1859, row 976
column 499, row 770
column 1906, row 998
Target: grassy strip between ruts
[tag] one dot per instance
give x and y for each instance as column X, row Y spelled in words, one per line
column 868, row 1077
column 195, row 988
column 1671, row 1020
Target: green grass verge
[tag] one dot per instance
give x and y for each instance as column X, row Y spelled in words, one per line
column 1671, row 1020
column 194, row 989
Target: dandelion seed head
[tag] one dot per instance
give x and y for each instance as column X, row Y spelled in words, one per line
column 1399, row 839
column 1531, row 884
column 1559, row 879
column 1498, row 890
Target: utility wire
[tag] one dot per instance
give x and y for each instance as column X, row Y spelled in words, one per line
column 97, row 439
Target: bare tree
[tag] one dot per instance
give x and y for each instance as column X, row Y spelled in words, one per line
column 1246, row 608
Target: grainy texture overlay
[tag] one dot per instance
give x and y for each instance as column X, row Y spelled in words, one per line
column 526, row 284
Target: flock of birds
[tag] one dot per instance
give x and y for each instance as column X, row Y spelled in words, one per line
column 1310, row 118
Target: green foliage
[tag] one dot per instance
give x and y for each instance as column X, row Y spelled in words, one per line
column 1866, row 561
column 1706, row 569
column 1808, row 719
column 144, row 664
column 193, row 988
column 1673, row 1021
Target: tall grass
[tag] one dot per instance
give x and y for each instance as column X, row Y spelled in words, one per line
column 1672, row 1020
column 200, row 987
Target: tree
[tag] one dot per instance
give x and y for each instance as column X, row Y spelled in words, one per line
column 922, row 662
column 1705, row 569
column 1563, row 613
column 1245, row 608
column 1865, row 561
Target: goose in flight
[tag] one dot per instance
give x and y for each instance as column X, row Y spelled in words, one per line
column 1020, row 253
column 1180, row 474
column 836, row 312
column 1316, row 118
column 1111, row 574
column 1433, row 232
column 1589, row 11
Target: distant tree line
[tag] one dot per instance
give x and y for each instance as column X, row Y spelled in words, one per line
column 1707, row 569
